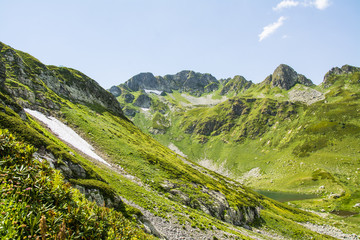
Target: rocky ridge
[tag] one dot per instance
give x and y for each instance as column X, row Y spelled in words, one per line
column 346, row 69
column 189, row 81
column 39, row 79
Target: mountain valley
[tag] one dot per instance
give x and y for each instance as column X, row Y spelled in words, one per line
column 180, row 154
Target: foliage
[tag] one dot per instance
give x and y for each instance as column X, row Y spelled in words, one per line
column 37, row 203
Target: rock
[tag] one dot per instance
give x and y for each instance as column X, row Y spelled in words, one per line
column 77, row 170
column 286, row 77
column 130, row 112
column 99, row 197
column 346, row 69
column 2, row 72
column 115, row 90
column 357, row 205
column 149, row 228
column 129, row 98
column 195, row 83
column 143, row 101
column 322, row 187
column 144, row 81
column 308, row 96
column 216, row 205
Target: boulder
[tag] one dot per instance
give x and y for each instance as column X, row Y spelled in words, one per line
column 115, row 90
column 143, row 101
column 129, row 98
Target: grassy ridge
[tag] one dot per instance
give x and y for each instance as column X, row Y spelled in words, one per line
column 142, row 167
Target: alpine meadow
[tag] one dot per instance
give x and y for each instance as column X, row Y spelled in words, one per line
column 179, row 120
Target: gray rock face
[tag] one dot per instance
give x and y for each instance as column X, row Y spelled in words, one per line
column 195, row 83
column 115, row 90
column 131, row 112
column 96, row 195
column 144, row 81
column 346, row 69
column 129, row 98
column 143, row 101
column 216, row 205
column 286, row 77
column 2, row 72
column 68, row 168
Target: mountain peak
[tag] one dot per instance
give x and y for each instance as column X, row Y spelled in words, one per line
column 286, row 77
column 190, row 81
column 345, row 69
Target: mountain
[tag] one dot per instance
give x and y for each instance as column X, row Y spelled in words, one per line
column 286, row 77
column 284, row 134
column 83, row 141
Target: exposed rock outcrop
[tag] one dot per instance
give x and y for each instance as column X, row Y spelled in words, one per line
column 190, row 81
column 286, row 77
column 346, row 69
column 2, row 72
column 129, row 98
column 216, row 205
column 115, row 90
column 131, row 112
column 101, row 198
column 143, row 101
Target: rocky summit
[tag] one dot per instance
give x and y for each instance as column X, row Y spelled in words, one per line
column 195, row 83
column 286, row 77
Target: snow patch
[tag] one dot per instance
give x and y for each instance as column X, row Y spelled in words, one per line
column 66, row 134
column 145, row 109
column 153, row 91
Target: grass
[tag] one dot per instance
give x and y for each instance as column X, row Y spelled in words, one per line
column 37, row 203
column 255, row 139
column 298, row 148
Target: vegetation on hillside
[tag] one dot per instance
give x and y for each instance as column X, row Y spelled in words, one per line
column 192, row 199
column 36, row 203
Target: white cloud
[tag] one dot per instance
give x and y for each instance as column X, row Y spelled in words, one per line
column 321, row 4
column 271, row 28
column 285, row 4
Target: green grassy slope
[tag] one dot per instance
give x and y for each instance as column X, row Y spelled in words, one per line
column 268, row 142
column 143, row 171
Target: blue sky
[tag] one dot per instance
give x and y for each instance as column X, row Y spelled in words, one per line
column 111, row 41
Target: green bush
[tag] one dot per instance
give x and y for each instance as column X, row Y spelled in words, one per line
column 37, row 203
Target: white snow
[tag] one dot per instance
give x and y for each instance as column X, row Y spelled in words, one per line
column 145, row 109
column 66, row 134
column 153, row 91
